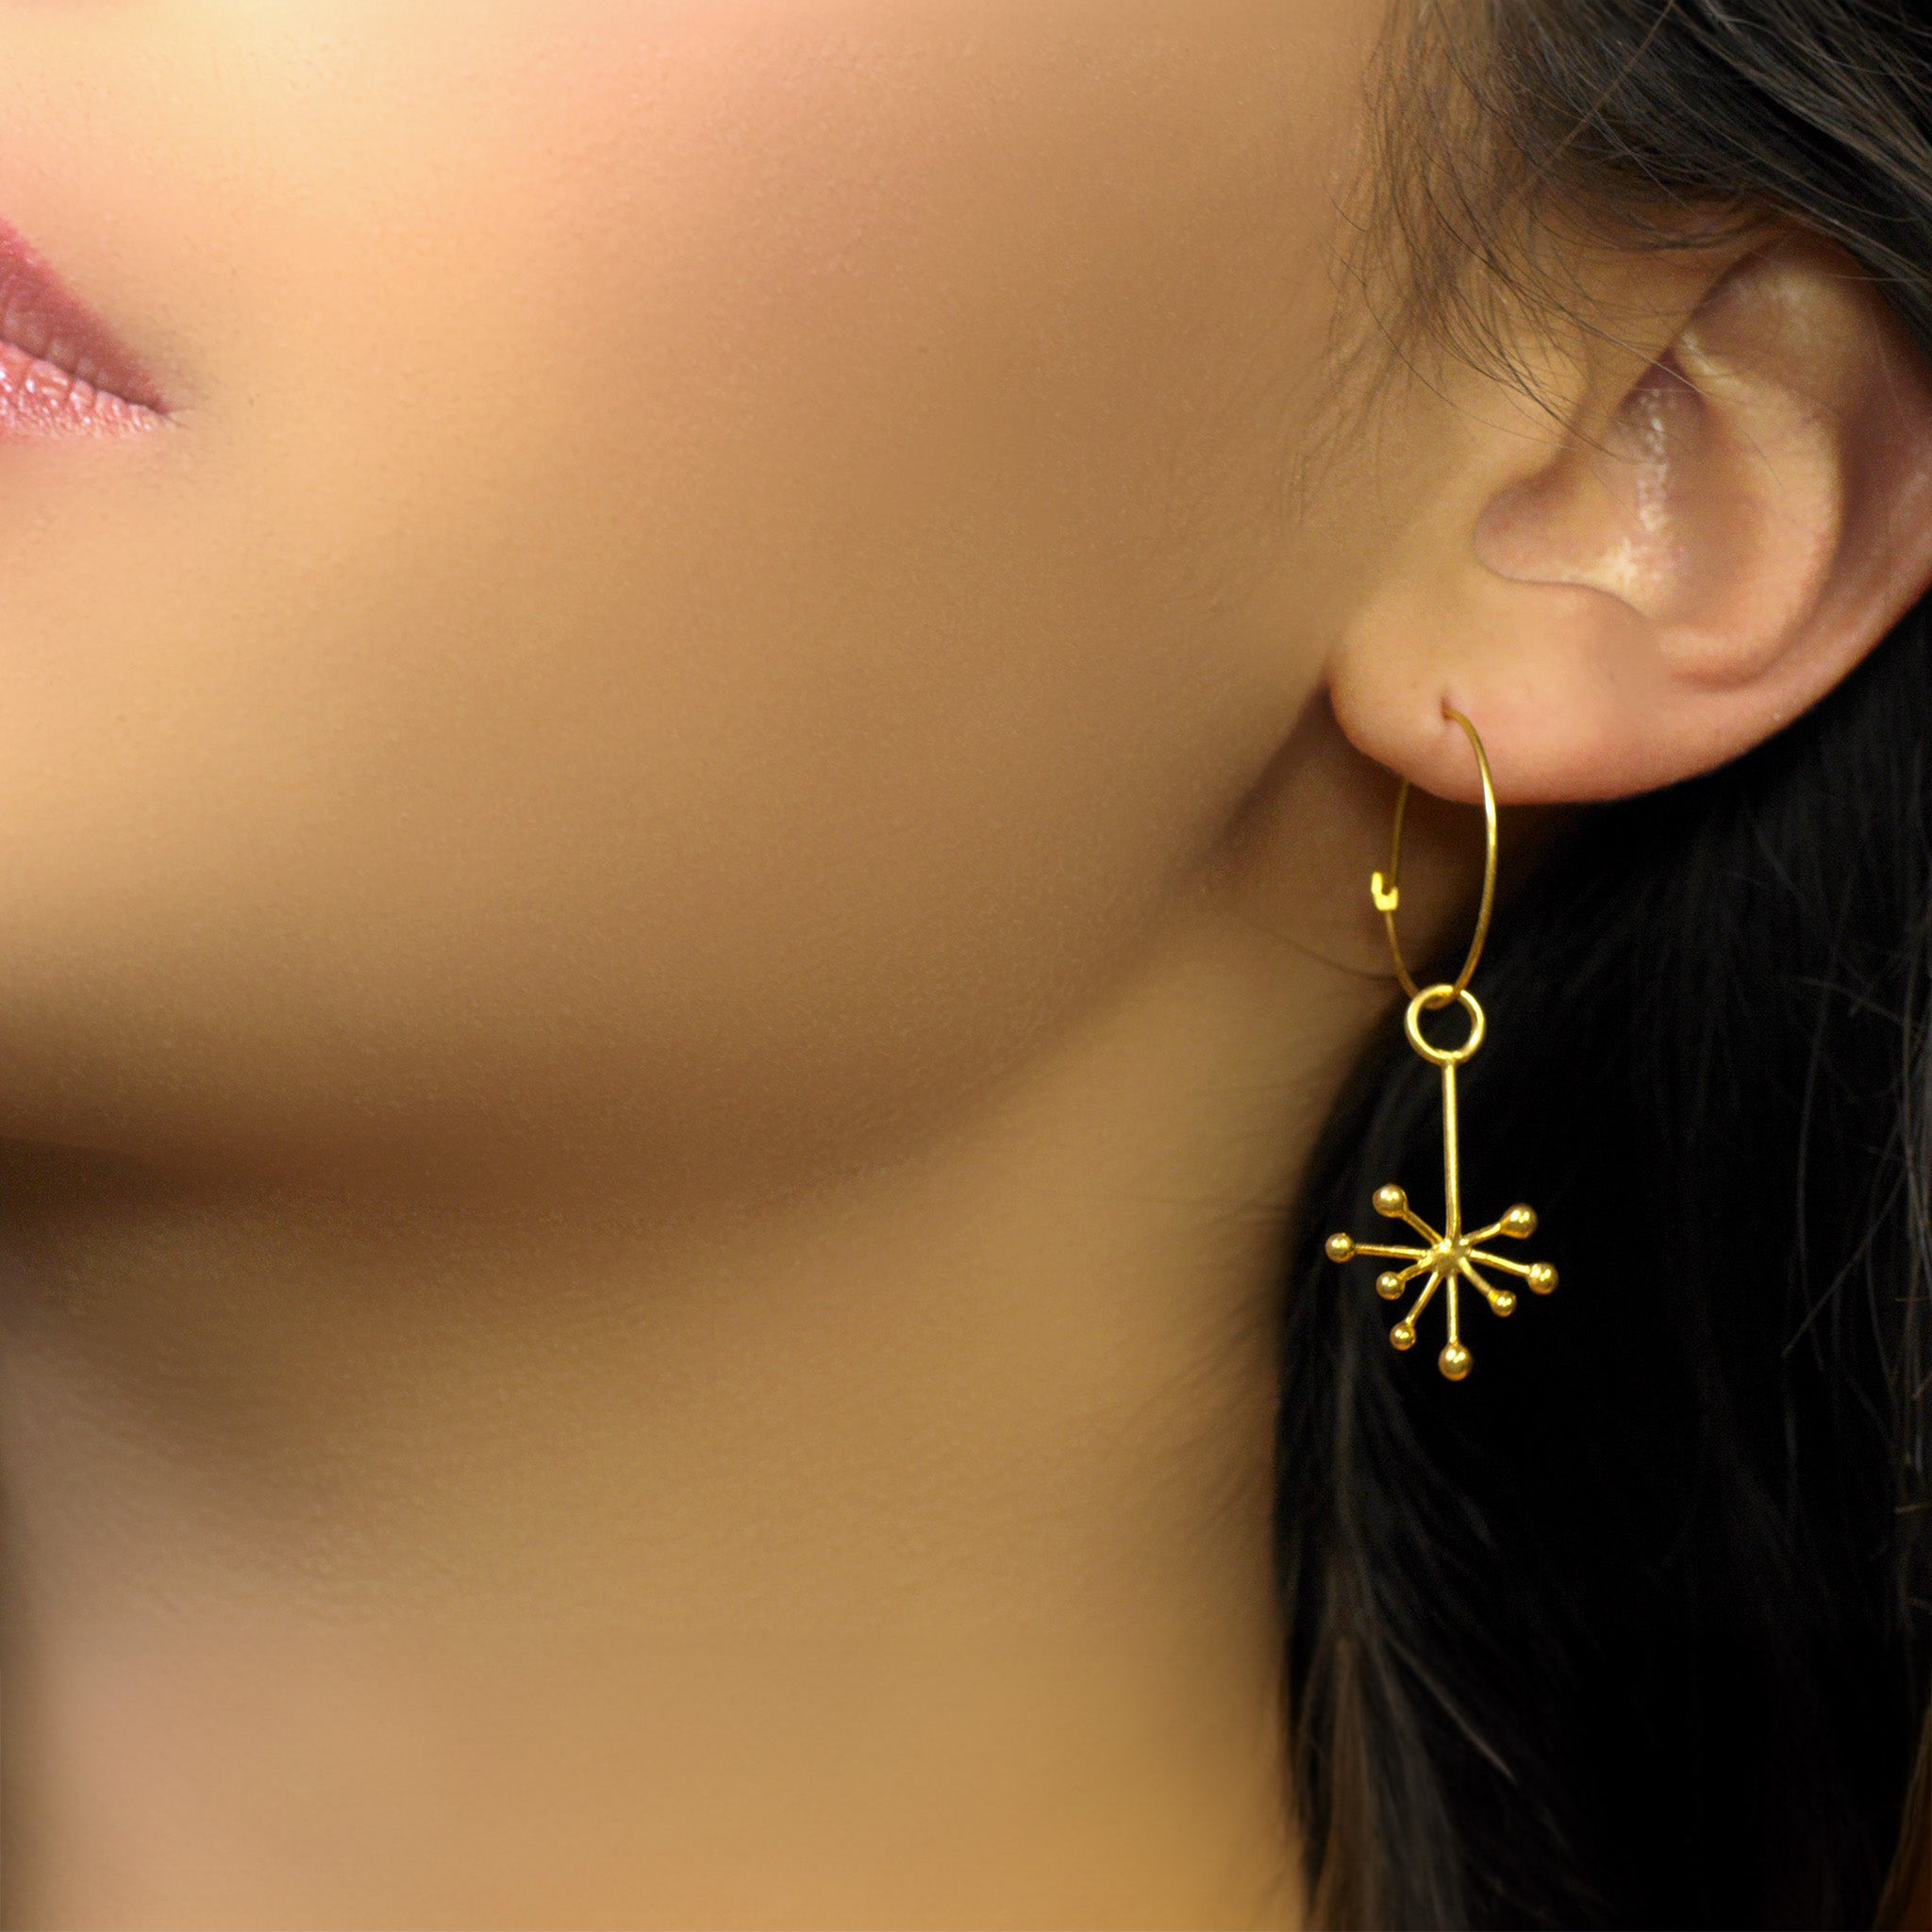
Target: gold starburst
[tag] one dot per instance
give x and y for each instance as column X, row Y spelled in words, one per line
column 1449, row 1258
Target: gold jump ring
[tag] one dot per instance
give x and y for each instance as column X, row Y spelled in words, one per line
column 1433, row 999
column 1387, row 896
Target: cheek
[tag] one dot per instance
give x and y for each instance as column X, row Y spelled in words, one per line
column 689, row 562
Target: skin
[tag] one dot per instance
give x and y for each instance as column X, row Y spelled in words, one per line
column 685, row 876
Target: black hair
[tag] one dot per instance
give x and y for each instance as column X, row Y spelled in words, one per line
column 1634, row 1627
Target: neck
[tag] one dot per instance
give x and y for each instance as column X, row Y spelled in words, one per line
column 897, row 1551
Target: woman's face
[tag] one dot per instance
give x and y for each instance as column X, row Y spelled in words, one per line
column 709, row 565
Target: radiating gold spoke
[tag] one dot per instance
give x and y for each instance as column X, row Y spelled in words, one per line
column 1523, row 1268
column 1402, row 1334
column 1391, row 1284
column 1539, row 1275
column 1501, row 1300
column 1516, row 1225
column 1453, row 1360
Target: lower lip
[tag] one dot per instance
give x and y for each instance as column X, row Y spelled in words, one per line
column 40, row 399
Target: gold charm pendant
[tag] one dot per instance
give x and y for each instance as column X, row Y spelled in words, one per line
column 1449, row 1258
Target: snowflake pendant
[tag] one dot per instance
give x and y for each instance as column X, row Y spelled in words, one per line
column 1450, row 1259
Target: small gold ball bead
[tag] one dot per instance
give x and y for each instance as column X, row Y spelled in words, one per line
column 1504, row 1303
column 1390, row 1201
column 1453, row 1362
column 1520, row 1221
column 1340, row 1247
column 1543, row 1277
column 1388, row 1286
column 1402, row 1335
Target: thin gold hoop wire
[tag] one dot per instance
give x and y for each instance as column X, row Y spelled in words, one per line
column 1387, row 896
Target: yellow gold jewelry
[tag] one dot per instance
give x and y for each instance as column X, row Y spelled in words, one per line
column 1450, row 1256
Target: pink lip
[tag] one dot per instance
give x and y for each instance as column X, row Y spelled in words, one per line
column 63, row 372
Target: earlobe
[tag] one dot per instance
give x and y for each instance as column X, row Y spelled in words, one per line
column 1662, row 593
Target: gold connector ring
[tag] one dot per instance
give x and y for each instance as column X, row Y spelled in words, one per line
column 1433, row 999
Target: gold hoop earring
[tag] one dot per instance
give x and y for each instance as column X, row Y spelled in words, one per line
column 1450, row 1259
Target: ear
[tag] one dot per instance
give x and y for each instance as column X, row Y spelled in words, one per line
column 1709, row 534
